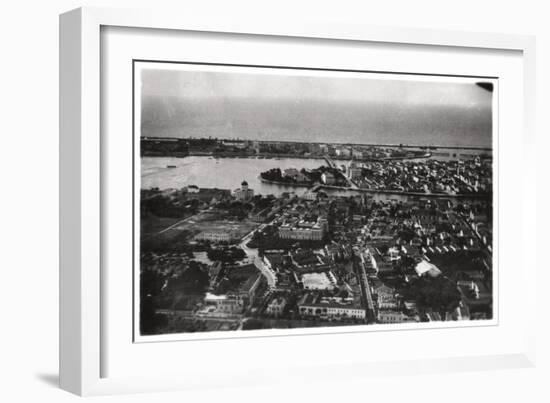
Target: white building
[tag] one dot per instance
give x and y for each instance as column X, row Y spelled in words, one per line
column 193, row 189
column 393, row 253
column 424, row 267
column 313, row 233
column 312, row 305
column 225, row 304
column 243, row 193
column 217, row 236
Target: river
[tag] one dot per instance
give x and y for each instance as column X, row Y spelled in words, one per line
column 228, row 173
column 222, row 173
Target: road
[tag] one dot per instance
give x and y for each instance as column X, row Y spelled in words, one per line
column 254, row 257
column 176, row 224
column 171, row 226
column 360, row 272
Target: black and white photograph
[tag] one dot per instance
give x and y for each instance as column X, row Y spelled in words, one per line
column 286, row 201
column 270, row 197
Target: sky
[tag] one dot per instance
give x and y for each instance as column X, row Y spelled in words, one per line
column 300, row 105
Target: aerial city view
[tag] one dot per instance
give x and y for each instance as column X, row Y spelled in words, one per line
column 317, row 214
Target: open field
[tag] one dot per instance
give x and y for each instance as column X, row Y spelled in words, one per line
column 240, row 227
column 209, row 220
column 152, row 225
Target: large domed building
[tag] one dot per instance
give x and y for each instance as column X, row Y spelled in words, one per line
column 243, row 193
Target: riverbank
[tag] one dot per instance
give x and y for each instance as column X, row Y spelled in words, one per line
column 411, row 194
column 291, row 184
column 277, row 156
column 221, row 173
column 228, row 173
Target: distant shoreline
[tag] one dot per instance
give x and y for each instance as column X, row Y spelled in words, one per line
column 428, row 154
column 392, row 145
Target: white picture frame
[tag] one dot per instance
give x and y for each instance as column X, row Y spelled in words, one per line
column 82, row 173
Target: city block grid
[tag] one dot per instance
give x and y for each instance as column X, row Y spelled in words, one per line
column 377, row 234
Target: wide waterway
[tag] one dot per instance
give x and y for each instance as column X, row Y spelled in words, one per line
column 222, row 173
column 228, row 173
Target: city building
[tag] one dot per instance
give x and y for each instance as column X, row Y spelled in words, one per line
column 235, row 299
column 309, row 196
column 343, row 152
column 221, row 235
column 393, row 253
column 424, row 268
column 385, row 297
column 369, row 262
column 276, row 306
column 328, row 178
column 247, row 290
column 313, row 232
column 318, row 281
column 296, row 175
column 393, row 317
column 225, row 304
column 363, row 268
column 244, row 193
column 356, row 153
column 312, row 305
column 355, row 173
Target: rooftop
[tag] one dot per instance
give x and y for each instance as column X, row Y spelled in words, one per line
column 425, row 267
